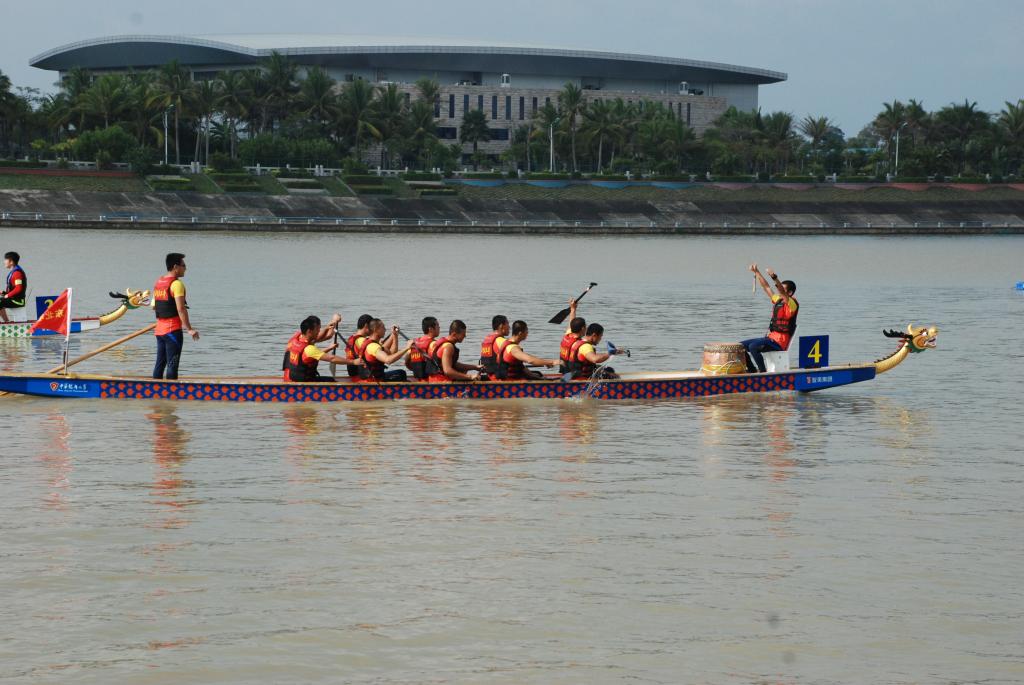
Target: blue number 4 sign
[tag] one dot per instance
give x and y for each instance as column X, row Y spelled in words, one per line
column 813, row 351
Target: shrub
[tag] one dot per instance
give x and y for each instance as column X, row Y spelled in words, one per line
column 795, row 179
column 733, row 179
column 141, row 159
column 969, row 179
column 547, row 177
column 21, row 164
column 371, row 190
column 421, row 176
column 910, row 179
column 362, row 179
column 294, row 173
column 221, row 161
column 612, row 177
column 353, row 166
column 854, row 179
column 304, row 185
column 427, row 192
column 483, row 175
column 171, row 184
column 114, row 141
column 240, row 188
column 104, row 160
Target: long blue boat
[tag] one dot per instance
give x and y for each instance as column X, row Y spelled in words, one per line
column 636, row 386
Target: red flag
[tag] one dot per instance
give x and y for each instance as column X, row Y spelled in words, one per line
column 57, row 317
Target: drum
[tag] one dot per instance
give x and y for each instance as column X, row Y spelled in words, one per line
column 721, row 359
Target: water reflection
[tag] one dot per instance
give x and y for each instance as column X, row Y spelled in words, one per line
column 56, row 459
column 169, row 488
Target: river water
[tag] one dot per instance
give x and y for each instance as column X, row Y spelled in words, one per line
column 868, row 534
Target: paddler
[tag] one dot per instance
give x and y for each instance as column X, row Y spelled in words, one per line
column 376, row 356
column 575, row 331
column 420, row 360
column 491, row 345
column 513, row 359
column 13, row 295
column 302, row 356
column 584, row 357
column 171, row 317
column 445, row 356
column 355, row 343
column 783, row 324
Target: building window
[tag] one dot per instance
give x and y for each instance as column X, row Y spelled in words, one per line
column 534, row 107
column 494, row 106
column 547, row 101
column 687, row 113
column 451, row 106
column 508, row 107
column 499, row 134
column 506, row 80
column 447, row 132
column 437, row 107
column 465, row 104
column 349, row 78
column 522, row 108
column 480, row 102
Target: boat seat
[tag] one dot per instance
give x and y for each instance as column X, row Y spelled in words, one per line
column 776, row 361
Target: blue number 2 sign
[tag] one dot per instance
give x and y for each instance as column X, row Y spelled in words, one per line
column 813, row 351
column 43, row 303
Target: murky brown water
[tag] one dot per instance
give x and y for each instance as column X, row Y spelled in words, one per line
column 865, row 534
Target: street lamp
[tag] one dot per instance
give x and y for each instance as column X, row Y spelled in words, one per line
column 897, row 167
column 165, row 137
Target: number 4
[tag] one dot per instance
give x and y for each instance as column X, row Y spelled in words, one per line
column 815, row 352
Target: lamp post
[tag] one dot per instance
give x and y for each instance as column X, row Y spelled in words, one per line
column 165, row 137
column 551, row 141
column 896, row 170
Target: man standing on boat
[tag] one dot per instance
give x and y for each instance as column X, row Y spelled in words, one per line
column 783, row 323
column 171, row 317
column 445, row 356
column 13, row 295
column 303, row 356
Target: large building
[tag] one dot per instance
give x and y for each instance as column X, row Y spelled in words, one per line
column 508, row 82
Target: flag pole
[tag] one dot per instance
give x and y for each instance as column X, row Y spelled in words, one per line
column 67, row 335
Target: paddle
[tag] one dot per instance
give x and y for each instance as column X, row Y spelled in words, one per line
column 560, row 316
column 99, row 350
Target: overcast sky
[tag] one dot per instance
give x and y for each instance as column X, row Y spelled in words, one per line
column 843, row 57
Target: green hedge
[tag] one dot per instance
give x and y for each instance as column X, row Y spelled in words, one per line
column 969, row 179
column 854, row 179
column 303, row 185
column 362, row 179
column 733, row 179
column 427, row 192
column 420, row 176
column 294, row 173
column 795, row 179
column 910, row 179
column 371, row 189
column 170, row 184
column 483, row 175
column 21, row 164
column 548, row 177
column 241, row 188
column 610, row 177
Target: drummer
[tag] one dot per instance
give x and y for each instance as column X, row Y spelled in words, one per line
column 13, row 295
column 783, row 324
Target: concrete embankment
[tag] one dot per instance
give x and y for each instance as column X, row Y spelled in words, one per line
column 249, row 212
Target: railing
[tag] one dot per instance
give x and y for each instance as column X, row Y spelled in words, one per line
column 324, row 221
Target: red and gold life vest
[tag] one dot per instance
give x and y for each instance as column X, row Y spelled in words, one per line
column 565, row 351
column 489, row 352
column 420, row 358
column 164, row 304
column 783, row 323
column 299, row 367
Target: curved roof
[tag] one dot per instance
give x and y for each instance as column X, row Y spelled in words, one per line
column 142, row 51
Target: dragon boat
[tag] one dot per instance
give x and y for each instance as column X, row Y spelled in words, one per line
column 130, row 299
column 630, row 386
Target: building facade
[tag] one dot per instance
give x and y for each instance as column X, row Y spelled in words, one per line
column 509, row 83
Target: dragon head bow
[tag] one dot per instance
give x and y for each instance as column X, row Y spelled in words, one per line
column 132, row 299
column 918, row 339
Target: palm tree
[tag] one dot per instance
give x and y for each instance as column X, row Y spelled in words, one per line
column 233, row 102
column 172, row 89
column 205, row 103
column 317, row 100
column 281, row 76
column 106, row 98
column 6, row 108
column 357, row 112
column 961, row 123
column 918, row 120
column 815, row 129
column 422, row 128
column 572, row 105
column 1011, row 124
column 545, row 124
column 599, row 122
column 139, row 115
column 429, row 90
column 474, row 129
column 390, row 113
column 255, row 88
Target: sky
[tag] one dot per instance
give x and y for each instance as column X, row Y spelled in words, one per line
column 844, row 57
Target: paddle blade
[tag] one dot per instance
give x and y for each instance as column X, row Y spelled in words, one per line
column 560, row 316
column 566, row 377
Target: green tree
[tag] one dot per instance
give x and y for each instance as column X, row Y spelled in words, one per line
column 474, row 130
column 572, row 106
column 600, row 123
column 281, row 76
column 358, row 113
column 234, row 103
column 173, row 89
column 106, row 98
column 206, row 100
column 1011, row 125
column 390, row 115
column 317, row 100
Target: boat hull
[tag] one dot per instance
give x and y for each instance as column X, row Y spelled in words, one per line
column 650, row 387
column 21, row 329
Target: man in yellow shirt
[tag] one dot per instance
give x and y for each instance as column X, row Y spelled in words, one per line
column 172, row 320
column 377, row 355
column 584, row 359
column 783, row 324
column 303, row 356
